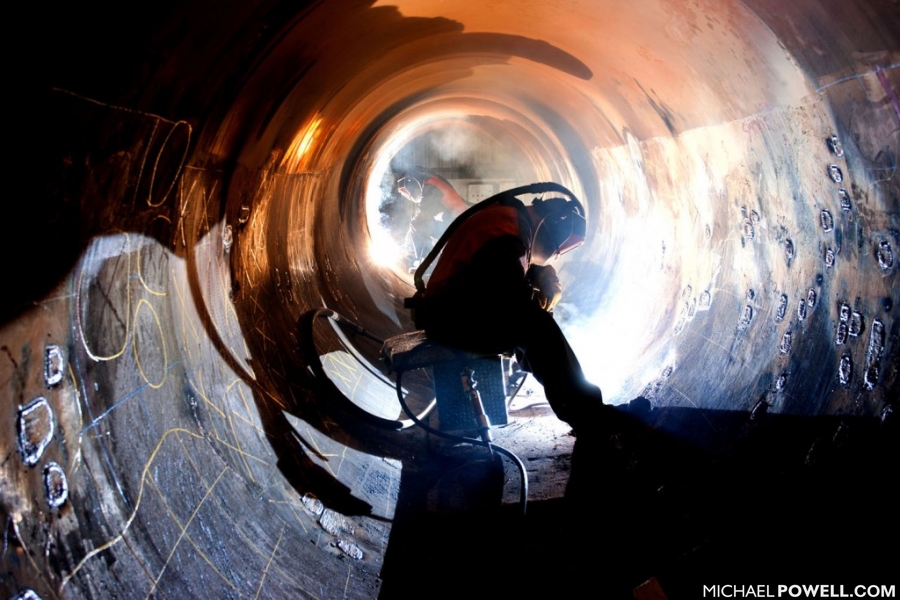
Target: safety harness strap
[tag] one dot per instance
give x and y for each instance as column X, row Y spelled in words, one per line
column 506, row 198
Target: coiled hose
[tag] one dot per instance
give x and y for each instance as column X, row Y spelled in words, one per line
column 305, row 329
column 523, row 475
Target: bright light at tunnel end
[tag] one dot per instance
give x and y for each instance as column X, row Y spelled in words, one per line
column 613, row 351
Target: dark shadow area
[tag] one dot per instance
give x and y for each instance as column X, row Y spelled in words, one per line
column 98, row 169
column 783, row 503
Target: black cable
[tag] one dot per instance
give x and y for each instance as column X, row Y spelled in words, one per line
column 523, row 488
column 356, row 328
column 417, row 419
column 307, row 343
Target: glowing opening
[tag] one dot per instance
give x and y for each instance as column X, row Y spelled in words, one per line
column 426, row 175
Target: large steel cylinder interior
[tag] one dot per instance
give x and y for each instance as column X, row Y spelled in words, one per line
column 206, row 248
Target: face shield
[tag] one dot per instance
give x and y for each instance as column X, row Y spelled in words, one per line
column 410, row 188
column 562, row 227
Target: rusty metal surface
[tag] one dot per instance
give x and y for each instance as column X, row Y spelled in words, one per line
column 197, row 183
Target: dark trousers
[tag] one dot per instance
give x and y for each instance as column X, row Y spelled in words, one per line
column 525, row 329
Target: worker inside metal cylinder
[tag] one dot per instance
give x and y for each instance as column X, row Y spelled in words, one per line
column 493, row 290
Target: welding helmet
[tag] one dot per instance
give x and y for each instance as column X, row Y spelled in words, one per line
column 410, row 188
column 559, row 226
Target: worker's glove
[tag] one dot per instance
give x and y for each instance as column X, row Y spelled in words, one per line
column 547, row 289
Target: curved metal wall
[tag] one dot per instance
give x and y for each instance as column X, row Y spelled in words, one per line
column 199, row 183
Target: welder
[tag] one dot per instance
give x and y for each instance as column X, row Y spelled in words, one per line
column 431, row 203
column 492, row 292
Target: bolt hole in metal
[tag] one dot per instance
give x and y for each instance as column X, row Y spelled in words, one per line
column 35, row 426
